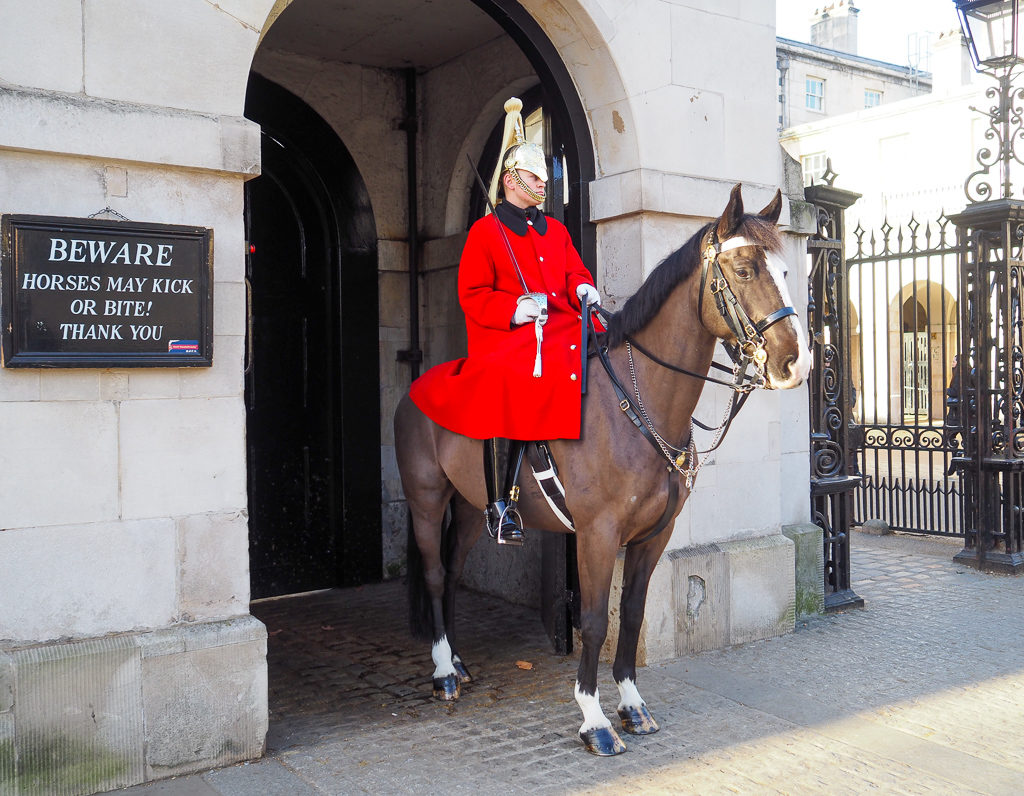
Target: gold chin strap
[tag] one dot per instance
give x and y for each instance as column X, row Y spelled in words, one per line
column 526, row 188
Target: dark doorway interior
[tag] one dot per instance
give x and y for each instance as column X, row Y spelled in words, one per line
column 312, row 370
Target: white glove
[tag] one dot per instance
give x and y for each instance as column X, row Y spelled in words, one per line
column 527, row 312
column 587, row 294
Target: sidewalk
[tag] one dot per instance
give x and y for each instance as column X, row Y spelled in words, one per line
column 922, row 691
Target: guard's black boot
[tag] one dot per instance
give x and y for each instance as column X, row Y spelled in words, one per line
column 501, row 516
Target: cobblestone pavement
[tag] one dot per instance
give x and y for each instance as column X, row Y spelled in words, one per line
column 920, row 692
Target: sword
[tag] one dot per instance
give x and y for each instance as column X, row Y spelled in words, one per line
column 540, row 298
column 501, row 227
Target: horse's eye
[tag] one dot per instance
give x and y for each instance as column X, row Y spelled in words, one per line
column 742, row 272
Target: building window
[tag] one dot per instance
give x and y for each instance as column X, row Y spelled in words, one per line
column 872, row 99
column 813, row 167
column 814, row 97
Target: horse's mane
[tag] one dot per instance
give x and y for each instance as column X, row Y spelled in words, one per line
column 643, row 305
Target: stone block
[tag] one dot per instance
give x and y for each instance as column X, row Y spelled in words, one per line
column 224, row 378
column 121, row 132
column 154, row 383
column 58, row 463
column 213, row 565
column 207, row 706
column 491, row 569
column 114, row 385
column 658, row 633
column 761, row 587
column 19, row 385
column 78, row 716
column 103, row 713
column 207, row 73
column 8, row 783
column 809, row 557
column 182, row 457
column 45, row 50
column 394, row 520
column 701, row 595
column 6, row 683
column 393, row 300
column 690, row 113
column 617, row 133
column 618, row 242
column 111, row 576
column 229, row 308
column 69, row 385
column 716, row 511
column 795, row 497
column 643, row 43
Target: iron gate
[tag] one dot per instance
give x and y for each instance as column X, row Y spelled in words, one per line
column 902, row 289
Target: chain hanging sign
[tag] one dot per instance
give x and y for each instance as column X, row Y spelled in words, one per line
column 96, row 293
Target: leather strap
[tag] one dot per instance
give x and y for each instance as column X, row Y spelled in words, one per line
column 666, row 515
column 546, row 474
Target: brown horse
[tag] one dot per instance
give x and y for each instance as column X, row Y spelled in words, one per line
column 622, row 487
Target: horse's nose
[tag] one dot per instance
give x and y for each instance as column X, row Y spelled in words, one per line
column 794, row 370
column 789, row 368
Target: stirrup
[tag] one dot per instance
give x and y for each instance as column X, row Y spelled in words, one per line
column 508, row 528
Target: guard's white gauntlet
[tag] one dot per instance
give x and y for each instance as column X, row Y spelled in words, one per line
column 527, row 312
column 588, row 295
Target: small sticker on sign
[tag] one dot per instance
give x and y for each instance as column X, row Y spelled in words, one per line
column 183, row 347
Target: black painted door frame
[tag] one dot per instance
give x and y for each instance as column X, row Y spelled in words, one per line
column 312, row 365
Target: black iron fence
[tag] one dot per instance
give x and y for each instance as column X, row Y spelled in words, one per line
column 903, row 325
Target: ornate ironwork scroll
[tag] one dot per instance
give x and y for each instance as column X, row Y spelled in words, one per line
column 991, row 384
column 832, row 462
column 1006, row 129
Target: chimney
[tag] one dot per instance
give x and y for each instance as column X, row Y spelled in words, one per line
column 835, row 26
column 951, row 65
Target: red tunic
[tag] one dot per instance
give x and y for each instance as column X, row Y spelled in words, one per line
column 492, row 392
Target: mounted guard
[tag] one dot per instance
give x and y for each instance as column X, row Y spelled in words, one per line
column 522, row 286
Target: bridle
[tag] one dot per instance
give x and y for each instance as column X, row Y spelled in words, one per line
column 748, row 351
column 749, row 347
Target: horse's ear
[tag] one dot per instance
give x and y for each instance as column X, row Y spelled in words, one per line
column 773, row 209
column 732, row 216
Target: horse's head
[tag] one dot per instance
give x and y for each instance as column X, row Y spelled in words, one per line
column 744, row 299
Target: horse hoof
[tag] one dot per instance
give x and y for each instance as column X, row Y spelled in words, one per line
column 638, row 720
column 447, row 688
column 461, row 670
column 603, row 741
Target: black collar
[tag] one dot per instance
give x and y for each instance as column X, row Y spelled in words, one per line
column 516, row 219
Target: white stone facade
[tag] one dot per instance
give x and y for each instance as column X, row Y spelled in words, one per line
column 123, row 503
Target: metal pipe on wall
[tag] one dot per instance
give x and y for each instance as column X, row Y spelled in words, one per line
column 410, row 124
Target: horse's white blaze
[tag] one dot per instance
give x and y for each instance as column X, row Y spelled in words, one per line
column 593, row 716
column 800, row 369
column 629, row 697
column 441, row 652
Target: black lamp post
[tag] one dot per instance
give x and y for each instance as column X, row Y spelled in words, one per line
column 991, row 29
column 991, row 304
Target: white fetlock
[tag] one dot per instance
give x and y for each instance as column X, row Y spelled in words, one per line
column 441, row 653
column 590, row 704
column 629, row 697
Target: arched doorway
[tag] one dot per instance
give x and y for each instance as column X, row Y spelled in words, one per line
column 915, row 381
column 411, row 90
column 312, row 410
